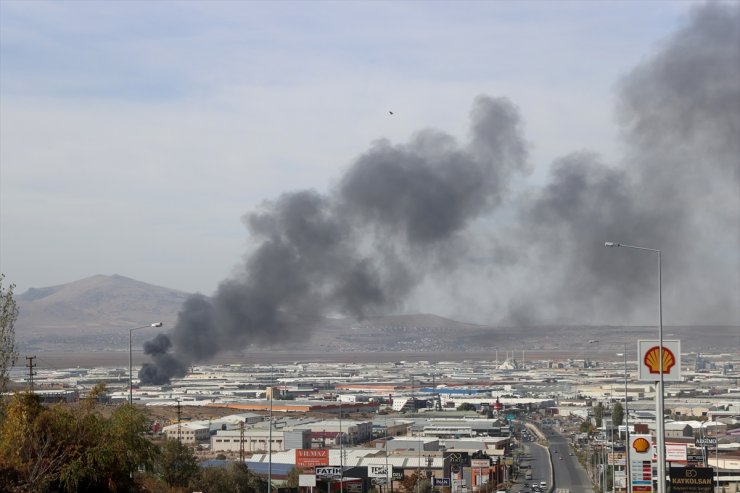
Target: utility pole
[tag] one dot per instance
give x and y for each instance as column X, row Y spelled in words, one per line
column 241, row 442
column 179, row 423
column 31, row 373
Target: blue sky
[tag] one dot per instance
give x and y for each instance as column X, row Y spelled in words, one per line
column 134, row 135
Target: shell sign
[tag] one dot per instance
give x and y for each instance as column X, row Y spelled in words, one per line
column 641, row 445
column 650, row 360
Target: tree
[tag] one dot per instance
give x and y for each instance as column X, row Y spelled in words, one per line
column 73, row 450
column 598, row 414
column 408, row 483
column 617, row 414
column 234, row 478
column 8, row 316
column 176, row 464
column 466, row 406
column 292, row 480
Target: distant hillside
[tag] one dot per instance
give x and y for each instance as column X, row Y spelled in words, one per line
column 424, row 320
column 98, row 304
column 93, row 314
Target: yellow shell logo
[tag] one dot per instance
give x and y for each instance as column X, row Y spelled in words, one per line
column 641, row 445
column 652, row 360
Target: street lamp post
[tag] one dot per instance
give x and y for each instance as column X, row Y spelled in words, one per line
column 269, row 434
column 659, row 416
column 130, row 359
column 627, row 472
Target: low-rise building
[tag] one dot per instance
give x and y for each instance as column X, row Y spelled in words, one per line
column 188, row 432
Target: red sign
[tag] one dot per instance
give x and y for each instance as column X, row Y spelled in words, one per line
column 311, row 458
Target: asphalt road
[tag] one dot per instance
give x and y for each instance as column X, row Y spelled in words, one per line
column 566, row 474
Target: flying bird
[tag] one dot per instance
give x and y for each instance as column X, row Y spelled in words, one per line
column 390, row 112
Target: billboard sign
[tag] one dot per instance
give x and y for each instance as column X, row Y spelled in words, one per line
column 311, row 458
column 329, row 472
column 307, row 480
column 457, row 458
column 692, row 480
column 480, row 463
column 641, row 463
column 675, row 452
column 649, row 359
column 377, row 471
column 617, row 459
column 705, row 442
column 443, row 482
column 397, row 474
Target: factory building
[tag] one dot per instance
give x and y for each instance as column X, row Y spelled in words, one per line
column 256, row 440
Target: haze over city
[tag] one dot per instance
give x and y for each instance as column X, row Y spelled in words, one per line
column 384, row 158
column 359, row 246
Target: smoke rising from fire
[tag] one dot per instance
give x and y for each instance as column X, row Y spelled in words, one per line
column 406, row 218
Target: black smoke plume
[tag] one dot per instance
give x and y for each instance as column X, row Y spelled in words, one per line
column 433, row 216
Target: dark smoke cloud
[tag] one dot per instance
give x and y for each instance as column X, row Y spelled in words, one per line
column 433, row 216
column 358, row 250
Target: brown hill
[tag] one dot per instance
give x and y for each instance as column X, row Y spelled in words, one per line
column 95, row 305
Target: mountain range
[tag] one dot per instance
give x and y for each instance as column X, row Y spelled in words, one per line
column 93, row 314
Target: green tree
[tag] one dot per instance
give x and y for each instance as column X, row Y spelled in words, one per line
column 586, row 427
column 617, row 414
column 598, row 414
column 8, row 316
column 176, row 464
column 292, row 479
column 466, row 406
column 235, row 478
column 74, row 450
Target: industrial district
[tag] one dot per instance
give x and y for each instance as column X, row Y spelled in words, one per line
column 570, row 425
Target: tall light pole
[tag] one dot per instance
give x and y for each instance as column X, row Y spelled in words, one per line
column 659, row 417
column 269, row 434
column 130, row 360
column 627, row 471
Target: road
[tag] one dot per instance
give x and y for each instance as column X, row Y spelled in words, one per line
column 566, row 474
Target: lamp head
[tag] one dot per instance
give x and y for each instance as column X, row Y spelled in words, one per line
column 157, row 324
column 610, row 244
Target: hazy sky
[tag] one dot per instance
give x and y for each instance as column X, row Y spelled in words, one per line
column 135, row 135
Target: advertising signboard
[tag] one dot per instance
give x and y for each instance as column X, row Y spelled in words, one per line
column 377, row 471
column 307, row 480
column 705, row 441
column 648, row 361
column 397, row 474
column 675, row 452
column 329, row 472
column 459, row 458
column 616, row 459
column 443, row 482
column 480, row 463
column 695, row 458
column 641, row 463
column 692, row 480
column 311, row 458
